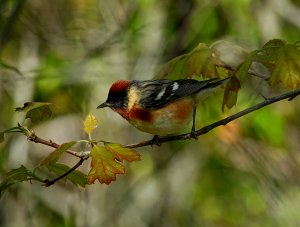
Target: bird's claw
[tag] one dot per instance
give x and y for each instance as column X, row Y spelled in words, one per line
column 193, row 134
column 155, row 140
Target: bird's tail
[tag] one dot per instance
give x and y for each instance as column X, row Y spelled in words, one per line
column 215, row 82
column 210, row 87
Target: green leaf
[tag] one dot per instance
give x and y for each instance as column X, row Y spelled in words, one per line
column 243, row 70
column 104, row 166
column 283, row 61
column 272, row 46
column 12, row 130
column 36, row 111
column 287, row 67
column 55, row 155
column 200, row 62
column 77, row 177
column 15, row 176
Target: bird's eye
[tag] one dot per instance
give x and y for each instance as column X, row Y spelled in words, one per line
column 118, row 104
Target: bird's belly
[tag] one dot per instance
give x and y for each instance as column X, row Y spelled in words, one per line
column 170, row 119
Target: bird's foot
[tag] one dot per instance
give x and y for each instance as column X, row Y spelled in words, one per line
column 155, row 140
column 193, row 134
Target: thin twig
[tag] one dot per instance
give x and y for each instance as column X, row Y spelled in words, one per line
column 289, row 95
column 34, row 138
column 48, row 182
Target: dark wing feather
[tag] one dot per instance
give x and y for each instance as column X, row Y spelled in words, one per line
column 157, row 93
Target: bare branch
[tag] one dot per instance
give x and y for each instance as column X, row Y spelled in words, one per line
column 34, row 138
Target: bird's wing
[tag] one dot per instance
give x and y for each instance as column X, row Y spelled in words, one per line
column 157, row 93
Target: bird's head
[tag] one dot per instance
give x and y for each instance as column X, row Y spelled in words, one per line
column 117, row 95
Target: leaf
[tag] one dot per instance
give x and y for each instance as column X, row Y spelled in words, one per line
column 76, row 177
column 90, row 123
column 200, row 62
column 54, row 156
column 283, row 61
column 17, row 129
column 36, row 111
column 271, row 48
column 242, row 72
column 287, row 67
column 104, row 166
column 15, row 176
column 230, row 94
column 123, row 153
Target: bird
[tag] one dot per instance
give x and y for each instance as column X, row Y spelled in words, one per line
column 160, row 107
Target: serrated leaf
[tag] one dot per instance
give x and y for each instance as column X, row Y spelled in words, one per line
column 15, row 176
column 230, row 94
column 104, row 166
column 76, row 177
column 287, row 67
column 36, row 111
column 90, row 123
column 55, row 155
column 123, row 153
column 200, row 62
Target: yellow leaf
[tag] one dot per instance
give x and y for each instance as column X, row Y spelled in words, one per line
column 104, row 166
column 123, row 153
column 90, row 123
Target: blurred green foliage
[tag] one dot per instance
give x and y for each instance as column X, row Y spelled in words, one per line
column 69, row 52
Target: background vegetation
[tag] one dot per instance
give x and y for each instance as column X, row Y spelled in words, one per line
column 69, row 52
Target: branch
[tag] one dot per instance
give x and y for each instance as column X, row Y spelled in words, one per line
column 159, row 140
column 48, row 182
column 34, row 138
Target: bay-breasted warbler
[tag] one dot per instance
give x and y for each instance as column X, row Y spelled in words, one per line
column 159, row 107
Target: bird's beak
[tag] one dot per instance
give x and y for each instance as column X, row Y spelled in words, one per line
column 105, row 104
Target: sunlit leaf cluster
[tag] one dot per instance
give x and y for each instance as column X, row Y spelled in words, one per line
column 280, row 59
column 107, row 161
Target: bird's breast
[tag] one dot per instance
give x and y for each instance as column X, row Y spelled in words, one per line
column 169, row 119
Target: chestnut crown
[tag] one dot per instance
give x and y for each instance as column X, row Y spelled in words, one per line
column 117, row 95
